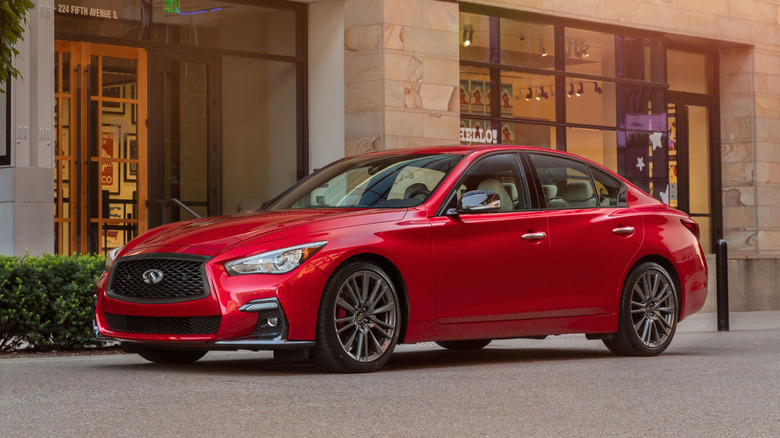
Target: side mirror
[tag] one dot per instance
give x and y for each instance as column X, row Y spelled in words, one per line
column 479, row 201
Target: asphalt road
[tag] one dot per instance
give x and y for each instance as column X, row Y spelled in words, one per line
column 706, row 384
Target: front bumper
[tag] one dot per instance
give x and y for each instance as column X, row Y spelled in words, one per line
column 254, row 312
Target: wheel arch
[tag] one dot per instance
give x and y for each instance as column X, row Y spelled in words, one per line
column 395, row 275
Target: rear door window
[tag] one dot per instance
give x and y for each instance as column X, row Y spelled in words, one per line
column 565, row 183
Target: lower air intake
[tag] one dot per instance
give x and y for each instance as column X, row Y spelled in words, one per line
column 191, row 325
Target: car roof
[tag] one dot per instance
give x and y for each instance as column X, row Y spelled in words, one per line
column 460, row 149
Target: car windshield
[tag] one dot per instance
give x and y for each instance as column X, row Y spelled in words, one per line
column 387, row 181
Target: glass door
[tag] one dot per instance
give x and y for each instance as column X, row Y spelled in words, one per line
column 186, row 185
column 100, row 183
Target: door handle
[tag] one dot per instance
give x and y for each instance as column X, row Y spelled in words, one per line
column 534, row 236
column 624, row 231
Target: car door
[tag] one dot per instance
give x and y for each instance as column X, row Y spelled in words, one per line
column 593, row 235
column 490, row 266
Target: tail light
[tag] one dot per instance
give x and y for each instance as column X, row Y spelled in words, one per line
column 691, row 225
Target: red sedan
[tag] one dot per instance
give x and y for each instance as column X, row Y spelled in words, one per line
column 456, row 245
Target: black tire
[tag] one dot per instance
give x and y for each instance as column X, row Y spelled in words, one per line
column 163, row 356
column 359, row 320
column 471, row 344
column 649, row 308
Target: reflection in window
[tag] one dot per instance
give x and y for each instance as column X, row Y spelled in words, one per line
column 526, row 44
column 591, row 53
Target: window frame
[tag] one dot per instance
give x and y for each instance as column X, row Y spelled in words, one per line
column 519, row 168
column 537, row 181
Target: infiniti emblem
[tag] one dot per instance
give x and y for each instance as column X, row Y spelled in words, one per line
column 153, row 276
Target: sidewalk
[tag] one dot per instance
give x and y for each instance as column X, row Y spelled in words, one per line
column 738, row 321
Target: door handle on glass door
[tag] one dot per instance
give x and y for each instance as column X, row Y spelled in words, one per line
column 534, row 236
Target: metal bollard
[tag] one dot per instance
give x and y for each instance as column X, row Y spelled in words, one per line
column 722, row 284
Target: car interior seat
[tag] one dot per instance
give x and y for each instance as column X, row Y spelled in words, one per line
column 495, row 186
column 551, row 196
column 579, row 194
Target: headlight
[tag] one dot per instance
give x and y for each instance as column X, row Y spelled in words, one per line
column 274, row 262
column 111, row 256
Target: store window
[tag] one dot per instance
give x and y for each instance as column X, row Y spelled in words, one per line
column 688, row 72
column 591, row 53
column 534, row 81
column 215, row 104
column 527, row 44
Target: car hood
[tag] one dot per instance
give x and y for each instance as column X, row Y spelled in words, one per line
column 216, row 234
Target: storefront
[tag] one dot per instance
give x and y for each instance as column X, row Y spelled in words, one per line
column 216, row 106
column 160, row 104
column 635, row 101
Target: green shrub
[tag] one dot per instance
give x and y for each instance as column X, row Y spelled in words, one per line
column 46, row 302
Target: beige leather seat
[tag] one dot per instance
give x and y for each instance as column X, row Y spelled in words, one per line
column 550, row 195
column 495, row 186
column 579, row 194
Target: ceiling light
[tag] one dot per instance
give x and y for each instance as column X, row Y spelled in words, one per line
column 468, row 36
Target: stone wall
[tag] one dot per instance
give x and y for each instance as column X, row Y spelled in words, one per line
column 401, row 74
column 753, row 283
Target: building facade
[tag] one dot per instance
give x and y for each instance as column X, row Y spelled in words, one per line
column 164, row 108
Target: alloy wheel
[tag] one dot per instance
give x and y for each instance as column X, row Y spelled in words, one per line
column 365, row 316
column 653, row 308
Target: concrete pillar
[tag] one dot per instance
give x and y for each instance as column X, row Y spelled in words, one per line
column 26, row 187
column 326, row 82
column 401, row 74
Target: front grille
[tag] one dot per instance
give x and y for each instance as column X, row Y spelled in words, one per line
column 182, row 279
column 192, row 325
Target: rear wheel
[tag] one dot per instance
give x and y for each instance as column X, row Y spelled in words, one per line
column 471, row 344
column 359, row 320
column 158, row 355
column 648, row 313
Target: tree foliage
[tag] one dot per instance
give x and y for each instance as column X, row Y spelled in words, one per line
column 12, row 20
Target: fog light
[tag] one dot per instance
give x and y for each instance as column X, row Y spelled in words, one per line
column 269, row 324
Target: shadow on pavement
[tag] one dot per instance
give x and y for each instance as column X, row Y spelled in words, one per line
column 400, row 361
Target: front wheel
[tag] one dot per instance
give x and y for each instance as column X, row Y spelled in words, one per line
column 648, row 313
column 359, row 320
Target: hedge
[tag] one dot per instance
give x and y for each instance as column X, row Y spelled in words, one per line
column 46, row 302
